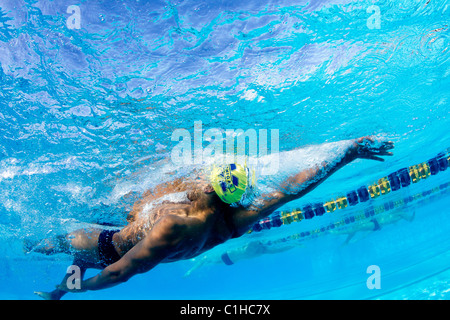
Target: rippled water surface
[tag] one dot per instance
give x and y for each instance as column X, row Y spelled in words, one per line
column 87, row 115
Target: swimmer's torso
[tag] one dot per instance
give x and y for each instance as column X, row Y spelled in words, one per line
column 185, row 200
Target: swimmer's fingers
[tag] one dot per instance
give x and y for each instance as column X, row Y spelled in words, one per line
column 367, row 141
column 379, row 152
column 371, row 157
column 375, row 153
column 367, row 144
column 388, row 145
column 382, row 150
column 384, row 153
column 369, row 148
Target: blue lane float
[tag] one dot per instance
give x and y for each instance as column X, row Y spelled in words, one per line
column 392, row 182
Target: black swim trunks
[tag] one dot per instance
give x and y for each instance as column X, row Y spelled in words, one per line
column 106, row 250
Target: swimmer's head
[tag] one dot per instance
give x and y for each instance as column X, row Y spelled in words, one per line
column 229, row 182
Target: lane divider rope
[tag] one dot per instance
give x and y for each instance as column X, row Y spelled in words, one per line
column 395, row 181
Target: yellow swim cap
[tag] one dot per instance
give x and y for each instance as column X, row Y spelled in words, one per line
column 229, row 182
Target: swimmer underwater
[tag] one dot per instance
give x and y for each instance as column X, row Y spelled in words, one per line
column 175, row 231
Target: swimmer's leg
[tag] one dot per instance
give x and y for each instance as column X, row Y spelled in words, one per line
column 85, row 240
column 48, row 246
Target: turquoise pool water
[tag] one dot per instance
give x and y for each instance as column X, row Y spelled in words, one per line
column 90, row 97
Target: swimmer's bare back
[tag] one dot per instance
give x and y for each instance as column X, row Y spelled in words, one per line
column 195, row 208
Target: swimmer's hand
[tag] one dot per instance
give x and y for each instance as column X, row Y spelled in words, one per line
column 370, row 148
column 54, row 295
column 57, row 293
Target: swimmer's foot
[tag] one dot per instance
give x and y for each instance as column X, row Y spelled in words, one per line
column 43, row 246
column 46, row 246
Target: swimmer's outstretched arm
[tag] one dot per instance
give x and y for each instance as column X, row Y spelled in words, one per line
column 163, row 241
column 309, row 179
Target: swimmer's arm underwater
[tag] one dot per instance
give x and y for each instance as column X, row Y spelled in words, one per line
column 164, row 241
column 309, row 179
